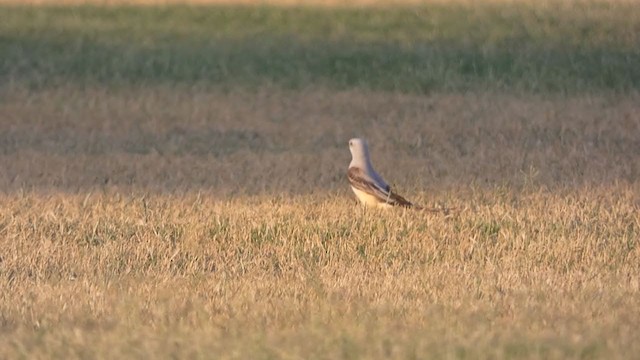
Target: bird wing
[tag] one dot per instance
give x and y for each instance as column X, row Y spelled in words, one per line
column 360, row 180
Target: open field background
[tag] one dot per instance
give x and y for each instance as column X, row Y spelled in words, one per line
column 172, row 181
column 440, row 47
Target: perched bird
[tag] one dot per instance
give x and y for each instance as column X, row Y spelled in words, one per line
column 366, row 183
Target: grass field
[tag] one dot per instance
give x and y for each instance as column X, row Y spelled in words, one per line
column 173, row 182
column 456, row 47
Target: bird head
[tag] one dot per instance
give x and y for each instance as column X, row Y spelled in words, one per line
column 359, row 151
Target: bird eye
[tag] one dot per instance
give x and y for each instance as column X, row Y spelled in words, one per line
column 350, row 143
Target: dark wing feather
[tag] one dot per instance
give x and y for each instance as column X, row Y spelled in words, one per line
column 358, row 180
column 399, row 200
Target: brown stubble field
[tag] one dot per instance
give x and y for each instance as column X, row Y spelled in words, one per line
column 162, row 217
column 271, row 141
column 126, row 232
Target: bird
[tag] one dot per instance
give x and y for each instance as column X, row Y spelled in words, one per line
column 369, row 187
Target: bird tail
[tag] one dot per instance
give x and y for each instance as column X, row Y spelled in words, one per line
column 400, row 201
column 396, row 199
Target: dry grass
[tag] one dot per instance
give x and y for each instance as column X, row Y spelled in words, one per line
column 174, row 222
column 167, row 139
column 331, row 3
column 196, row 206
column 516, row 275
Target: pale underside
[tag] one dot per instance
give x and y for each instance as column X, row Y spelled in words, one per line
column 370, row 199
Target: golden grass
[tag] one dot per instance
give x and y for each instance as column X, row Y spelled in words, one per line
column 219, row 2
column 530, row 274
column 213, row 237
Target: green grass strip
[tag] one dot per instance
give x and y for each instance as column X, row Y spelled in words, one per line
column 525, row 47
